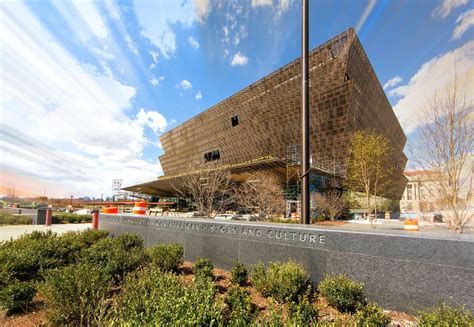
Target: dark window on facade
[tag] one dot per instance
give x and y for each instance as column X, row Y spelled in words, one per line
column 211, row 156
column 346, row 77
column 235, row 121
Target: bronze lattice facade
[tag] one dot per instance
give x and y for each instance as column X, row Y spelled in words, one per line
column 263, row 120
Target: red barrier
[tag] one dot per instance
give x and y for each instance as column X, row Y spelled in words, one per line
column 49, row 217
column 95, row 220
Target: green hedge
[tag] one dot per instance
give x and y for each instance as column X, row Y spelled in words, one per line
column 8, row 219
column 151, row 297
column 71, row 218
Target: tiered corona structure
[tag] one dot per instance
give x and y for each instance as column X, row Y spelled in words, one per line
column 258, row 127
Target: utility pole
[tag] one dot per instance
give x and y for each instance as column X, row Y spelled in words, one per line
column 305, row 116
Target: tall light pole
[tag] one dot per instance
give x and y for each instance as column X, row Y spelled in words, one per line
column 305, row 116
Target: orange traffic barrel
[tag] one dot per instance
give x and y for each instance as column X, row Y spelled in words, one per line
column 411, row 224
column 140, row 208
column 110, row 210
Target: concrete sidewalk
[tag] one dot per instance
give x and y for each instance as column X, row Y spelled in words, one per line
column 13, row 231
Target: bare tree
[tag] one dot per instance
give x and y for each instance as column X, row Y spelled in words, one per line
column 12, row 194
column 331, row 204
column 211, row 191
column 445, row 147
column 369, row 169
column 263, row 195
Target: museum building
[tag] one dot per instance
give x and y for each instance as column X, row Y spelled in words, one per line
column 258, row 128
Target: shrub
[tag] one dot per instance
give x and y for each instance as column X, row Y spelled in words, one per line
column 24, row 257
column 303, row 313
column 242, row 311
column 372, row 315
column 71, row 218
column 167, row 257
column 9, row 219
column 203, row 268
column 115, row 256
column 75, row 295
column 343, row 293
column 239, row 274
column 446, row 314
column 282, row 281
column 152, row 297
column 129, row 241
column 259, row 279
column 17, row 296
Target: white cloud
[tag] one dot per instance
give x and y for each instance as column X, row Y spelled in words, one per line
column 155, row 56
column 261, row 3
column 68, row 124
column 365, row 14
column 199, row 96
column 239, row 60
column 392, row 82
column 283, row 6
column 185, row 85
column 446, row 6
column 156, row 81
column 131, row 45
column 433, row 76
column 203, row 8
column 156, row 18
column 193, row 42
column 83, row 18
column 464, row 22
column 152, row 119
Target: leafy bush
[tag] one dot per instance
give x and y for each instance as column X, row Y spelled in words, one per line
column 129, row 241
column 372, row 315
column 152, row 297
column 17, row 296
column 9, row 219
column 303, row 313
column 343, row 293
column 446, row 315
column 24, row 257
column 167, row 257
column 75, row 295
column 71, row 218
column 116, row 256
column 203, row 268
column 239, row 274
column 242, row 311
column 283, row 281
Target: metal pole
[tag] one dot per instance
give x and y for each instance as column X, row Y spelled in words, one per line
column 305, row 117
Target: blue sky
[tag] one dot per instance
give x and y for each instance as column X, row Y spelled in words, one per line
column 88, row 86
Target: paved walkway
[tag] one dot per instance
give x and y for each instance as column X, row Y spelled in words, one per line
column 13, row 231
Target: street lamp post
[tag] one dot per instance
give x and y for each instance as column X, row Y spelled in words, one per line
column 305, row 116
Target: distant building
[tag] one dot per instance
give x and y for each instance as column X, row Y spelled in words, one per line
column 420, row 192
column 258, row 128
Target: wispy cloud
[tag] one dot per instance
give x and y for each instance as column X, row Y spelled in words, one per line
column 203, row 8
column 392, row 82
column 446, row 6
column 56, row 97
column 432, row 77
column 464, row 22
column 365, row 14
column 239, row 60
column 160, row 31
column 199, row 96
column 156, row 81
column 193, row 42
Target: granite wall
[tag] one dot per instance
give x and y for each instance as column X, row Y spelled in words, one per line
column 400, row 272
